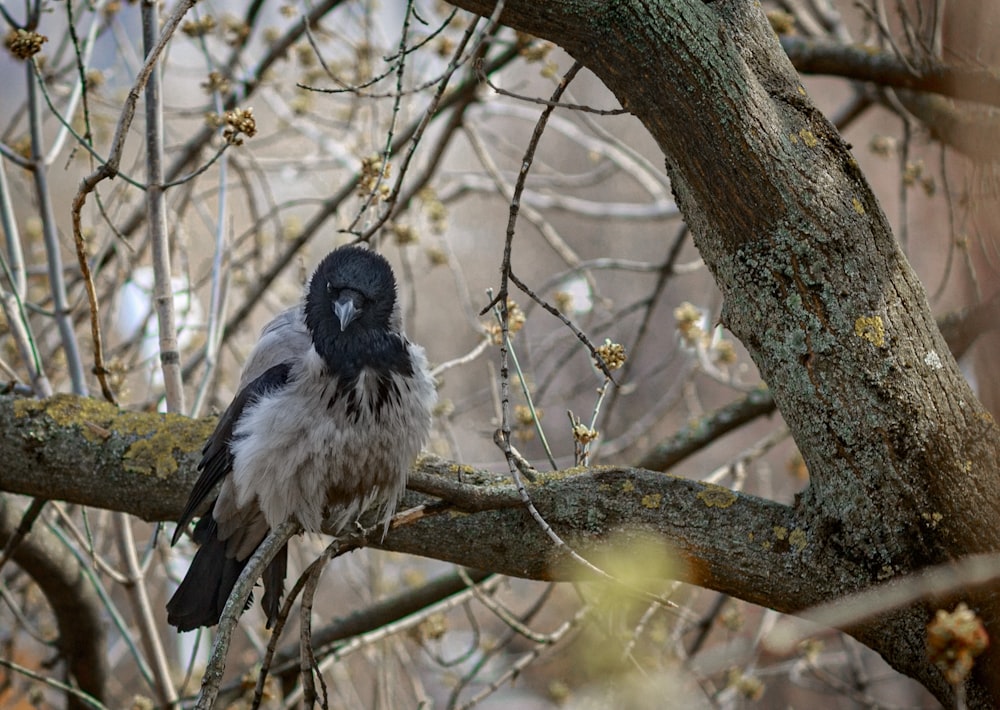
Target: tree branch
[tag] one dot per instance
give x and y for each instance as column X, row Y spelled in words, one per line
column 811, row 56
column 87, row 452
column 71, row 596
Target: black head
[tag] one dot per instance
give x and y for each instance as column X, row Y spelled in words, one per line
column 351, row 298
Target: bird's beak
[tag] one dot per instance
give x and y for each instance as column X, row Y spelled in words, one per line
column 345, row 310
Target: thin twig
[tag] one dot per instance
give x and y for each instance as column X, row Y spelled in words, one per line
column 237, row 601
column 546, row 102
column 394, row 628
column 431, row 111
column 15, row 271
column 52, row 683
column 373, row 195
column 526, row 392
column 462, row 95
column 501, row 298
column 86, row 542
column 23, row 528
column 581, row 336
column 149, row 632
column 82, row 56
column 526, row 659
column 482, row 654
column 163, row 293
column 357, row 89
column 127, row 636
column 20, row 330
column 667, row 270
column 502, row 612
column 470, row 356
column 109, row 170
column 53, row 249
column 939, row 581
column 307, row 659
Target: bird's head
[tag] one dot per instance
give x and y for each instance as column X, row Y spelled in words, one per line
column 352, row 296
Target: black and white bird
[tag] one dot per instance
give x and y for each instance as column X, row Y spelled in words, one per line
column 333, row 407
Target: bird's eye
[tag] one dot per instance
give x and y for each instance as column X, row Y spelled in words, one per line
column 329, row 287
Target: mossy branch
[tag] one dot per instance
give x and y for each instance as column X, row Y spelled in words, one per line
column 88, row 452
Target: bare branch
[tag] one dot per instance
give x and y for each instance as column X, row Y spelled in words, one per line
column 74, row 602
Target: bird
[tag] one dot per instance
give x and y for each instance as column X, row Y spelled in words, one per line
column 333, row 407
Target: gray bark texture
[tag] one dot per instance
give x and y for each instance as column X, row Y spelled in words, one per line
column 902, row 456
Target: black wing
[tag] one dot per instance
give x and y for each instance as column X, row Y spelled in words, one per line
column 217, row 457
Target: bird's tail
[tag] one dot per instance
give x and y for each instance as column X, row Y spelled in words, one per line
column 202, row 595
